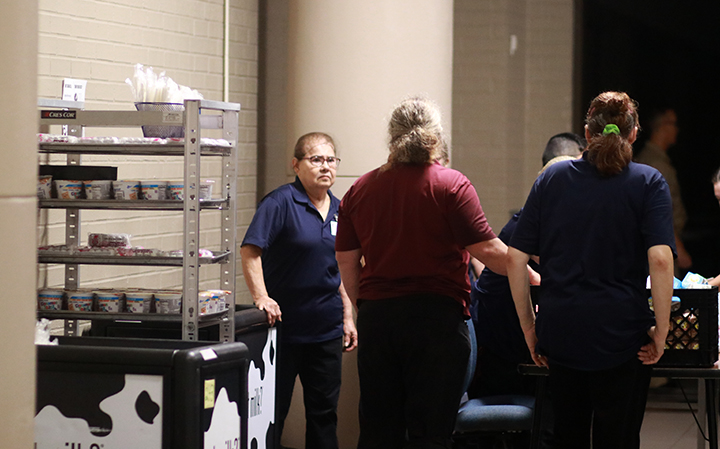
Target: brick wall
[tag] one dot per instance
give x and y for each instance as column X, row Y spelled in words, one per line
column 101, row 41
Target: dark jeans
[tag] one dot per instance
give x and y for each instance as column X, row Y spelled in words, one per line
column 610, row 402
column 412, row 358
column 319, row 366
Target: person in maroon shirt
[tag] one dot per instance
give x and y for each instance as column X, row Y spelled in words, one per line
column 405, row 234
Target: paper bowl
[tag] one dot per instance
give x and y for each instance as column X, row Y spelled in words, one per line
column 126, row 190
column 168, row 302
column 206, row 189
column 98, row 189
column 80, row 301
column 44, row 188
column 138, row 302
column 175, row 191
column 109, row 301
column 68, row 189
column 154, row 189
column 50, row 299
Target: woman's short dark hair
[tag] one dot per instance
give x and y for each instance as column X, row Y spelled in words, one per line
column 611, row 152
column 310, row 140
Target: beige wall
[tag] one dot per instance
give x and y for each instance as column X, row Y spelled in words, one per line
column 101, row 41
column 342, row 72
column 507, row 102
column 504, row 107
column 346, row 65
column 18, row 42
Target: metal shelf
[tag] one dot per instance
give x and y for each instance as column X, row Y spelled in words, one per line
column 140, row 149
column 219, row 204
column 100, row 259
column 206, row 319
column 223, row 117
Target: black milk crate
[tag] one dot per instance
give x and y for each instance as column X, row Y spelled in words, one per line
column 693, row 337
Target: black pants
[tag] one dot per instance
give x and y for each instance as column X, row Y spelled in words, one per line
column 319, row 366
column 610, row 402
column 412, row 358
column 495, row 375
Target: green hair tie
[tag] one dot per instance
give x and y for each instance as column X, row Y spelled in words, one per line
column 611, row 129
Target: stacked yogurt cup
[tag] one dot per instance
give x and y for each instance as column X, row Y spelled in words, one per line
column 44, row 188
column 68, row 189
column 50, row 298
column 126, row 189
column 175, row 190
column 154, row 189
column 127, row 300
column 168, row 301
column 100, row 189
column 110, row 300
column 80, row 300
column 138, row 300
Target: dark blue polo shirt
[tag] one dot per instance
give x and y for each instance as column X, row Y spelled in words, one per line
column 298, row 262
column 493, row 310
column 592, row 234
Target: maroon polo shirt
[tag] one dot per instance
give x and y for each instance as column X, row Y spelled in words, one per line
column 412, row 224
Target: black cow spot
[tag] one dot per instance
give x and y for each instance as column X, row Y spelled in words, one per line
column 272, row 353
column 254, row 443
column 146, row 408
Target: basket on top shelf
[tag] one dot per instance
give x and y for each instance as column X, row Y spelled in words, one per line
column 162, row 131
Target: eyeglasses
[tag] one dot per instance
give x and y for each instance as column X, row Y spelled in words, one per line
column 318, row 161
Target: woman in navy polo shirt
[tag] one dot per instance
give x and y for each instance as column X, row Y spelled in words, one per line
column 288, row 258
column 599, row 224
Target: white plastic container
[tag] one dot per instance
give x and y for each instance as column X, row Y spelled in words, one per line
column 109, row 301
column 44, row 188
column 175, row 190
column 204, row 302
column 154, row 189
column 218, row 299
column 206, row 189
column 80, row 301
column 50, row 299
column 126, row 190
column 138, row 302
column 68, row 189
column 168, row 302
column 98, row 189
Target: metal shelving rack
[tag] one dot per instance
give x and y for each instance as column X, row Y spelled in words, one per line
column 224, row 118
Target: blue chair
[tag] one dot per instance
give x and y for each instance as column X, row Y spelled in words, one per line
column 501, row 416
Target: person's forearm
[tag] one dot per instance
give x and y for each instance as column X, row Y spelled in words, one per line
column 661, row 280
column 253, row 272
column 349, row 265
column 346, row 302
column 492, row 253
column 520, row 287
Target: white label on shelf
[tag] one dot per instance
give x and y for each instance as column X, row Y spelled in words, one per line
column 208, row 354
column 73, row 90
column 172, row 117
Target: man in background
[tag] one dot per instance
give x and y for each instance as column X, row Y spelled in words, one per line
column 663, row 130
column 563, row 144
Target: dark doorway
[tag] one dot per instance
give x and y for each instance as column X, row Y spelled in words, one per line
column 665, row 53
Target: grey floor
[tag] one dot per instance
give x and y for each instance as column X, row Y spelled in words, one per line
column 668, row 428
column 668, row 422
